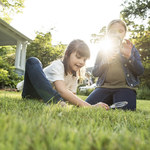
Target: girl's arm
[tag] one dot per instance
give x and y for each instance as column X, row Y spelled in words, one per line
column 100, row 66
column 72, row 98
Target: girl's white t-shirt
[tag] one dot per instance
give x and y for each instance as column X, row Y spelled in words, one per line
column 56, row 71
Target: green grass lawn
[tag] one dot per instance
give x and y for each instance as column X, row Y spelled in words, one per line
column 32, row 125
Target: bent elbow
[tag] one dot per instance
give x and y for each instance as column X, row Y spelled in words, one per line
column 95, row 73
column 141, row 71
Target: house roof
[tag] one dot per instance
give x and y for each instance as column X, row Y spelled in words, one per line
column 9, row 35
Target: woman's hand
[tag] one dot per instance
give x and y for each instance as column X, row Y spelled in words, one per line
column 103, row 105
column 126, row 48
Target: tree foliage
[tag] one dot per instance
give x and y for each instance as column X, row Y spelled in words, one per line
column 42, row 48
column 135, row 10
column 10, row 8
column 98, row 37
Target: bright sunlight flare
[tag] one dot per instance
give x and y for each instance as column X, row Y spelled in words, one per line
column 69, row 19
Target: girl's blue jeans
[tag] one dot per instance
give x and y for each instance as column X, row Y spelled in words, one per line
column 110, row 96
column 36, row 85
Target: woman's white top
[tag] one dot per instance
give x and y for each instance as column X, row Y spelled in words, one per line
column 55, row 71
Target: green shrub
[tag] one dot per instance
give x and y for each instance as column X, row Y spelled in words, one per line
column 143, row 93
column 8, row 77
column 85, row 93
column 4, row 76
column 89, row 91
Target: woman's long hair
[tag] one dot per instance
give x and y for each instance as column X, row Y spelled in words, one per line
column 78, row 46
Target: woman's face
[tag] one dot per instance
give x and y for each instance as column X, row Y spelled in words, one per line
column 76, row 61
column 117, row 30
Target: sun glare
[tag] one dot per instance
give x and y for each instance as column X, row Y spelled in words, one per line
column 77, row 23
column 106, row 46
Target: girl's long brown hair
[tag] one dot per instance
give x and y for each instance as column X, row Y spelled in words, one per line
column 78, row 46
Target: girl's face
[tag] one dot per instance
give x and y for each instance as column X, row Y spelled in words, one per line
column 76, row 61
column 117, row 30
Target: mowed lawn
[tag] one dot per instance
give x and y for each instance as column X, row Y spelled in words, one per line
column 32, row 125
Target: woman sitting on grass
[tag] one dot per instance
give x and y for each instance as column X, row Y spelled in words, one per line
column 62, row 75
column 118, row 68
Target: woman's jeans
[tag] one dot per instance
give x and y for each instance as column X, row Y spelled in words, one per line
column 110, row 96
column 36, row 85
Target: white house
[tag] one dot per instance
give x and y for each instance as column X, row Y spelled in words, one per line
column 10, row 36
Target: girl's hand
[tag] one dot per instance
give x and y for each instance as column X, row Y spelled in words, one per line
column 126, row 49
column 62, row 104
column 103, row 105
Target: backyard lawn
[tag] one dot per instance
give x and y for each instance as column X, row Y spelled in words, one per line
column 32, row 125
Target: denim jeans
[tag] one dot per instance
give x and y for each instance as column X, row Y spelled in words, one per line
column 36, row 85
column 110, row 96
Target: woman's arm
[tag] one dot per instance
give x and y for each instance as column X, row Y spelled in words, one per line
column 72, row 98
column 134, row 62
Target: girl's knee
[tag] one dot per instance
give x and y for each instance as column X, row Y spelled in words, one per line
column 33, row 60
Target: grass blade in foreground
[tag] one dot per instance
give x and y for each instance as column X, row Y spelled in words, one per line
column 31, row 125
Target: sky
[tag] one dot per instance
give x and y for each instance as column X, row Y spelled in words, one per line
column 69, row 19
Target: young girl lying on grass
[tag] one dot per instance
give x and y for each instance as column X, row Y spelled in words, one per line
column 58, row 80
